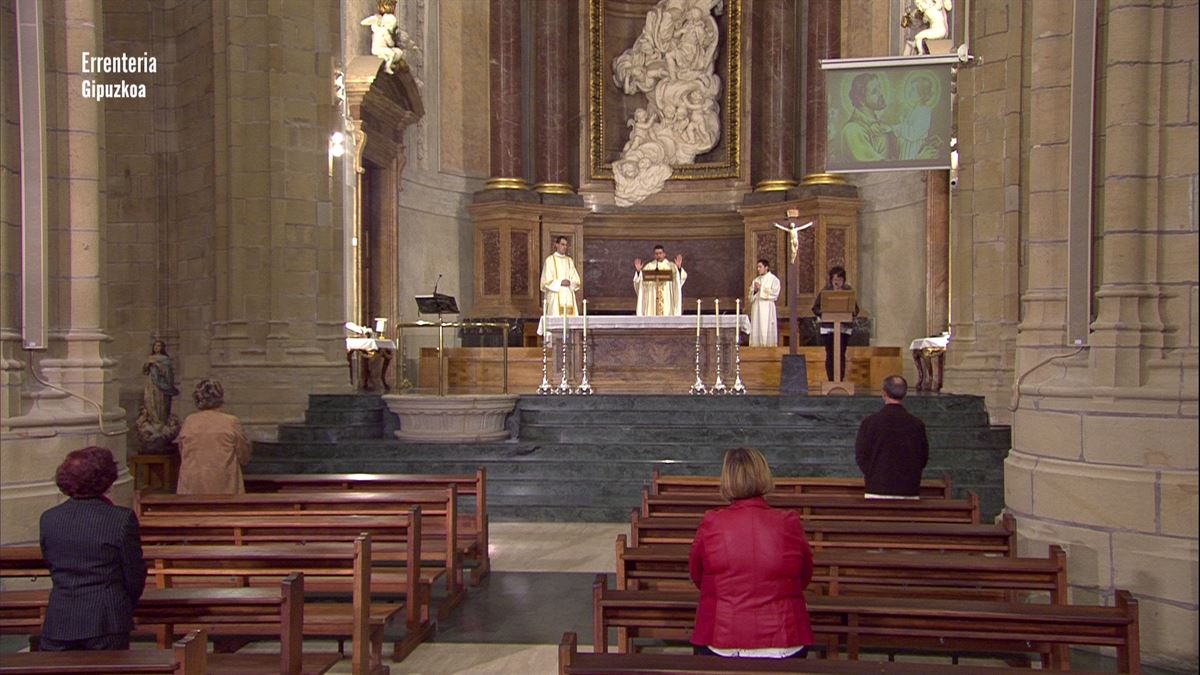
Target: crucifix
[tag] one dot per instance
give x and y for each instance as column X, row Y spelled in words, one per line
column 793, row 231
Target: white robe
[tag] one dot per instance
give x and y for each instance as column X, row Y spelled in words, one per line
column 764, row 328
column 559, row 300
column 660, row 299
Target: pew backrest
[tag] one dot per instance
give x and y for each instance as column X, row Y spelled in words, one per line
column 931, row 488
column 825, row 507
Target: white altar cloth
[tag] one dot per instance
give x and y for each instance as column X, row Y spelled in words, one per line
column 368, row 344
column 629, row 321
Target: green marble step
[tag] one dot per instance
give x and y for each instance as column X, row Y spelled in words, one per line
column 326, row 417
column 329, row 433
column 759, row 418
column 345, row 402
column 969, row 437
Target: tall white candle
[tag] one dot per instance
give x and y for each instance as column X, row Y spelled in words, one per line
column 585, row 320
column 697, row 317
column 564, row 316
column 737, row 317
column 717, row 316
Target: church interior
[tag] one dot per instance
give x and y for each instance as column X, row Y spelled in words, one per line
column 521, row 264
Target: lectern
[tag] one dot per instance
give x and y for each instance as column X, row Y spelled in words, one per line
column 837, row 307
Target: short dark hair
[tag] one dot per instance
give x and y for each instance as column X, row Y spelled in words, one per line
column 896, row 387
column 209, row 395
column 744, row 474
column 858, row 87
column 561, row 238
column 659, row 247
column 764, row 262
column 837, row 271
column 87, row 472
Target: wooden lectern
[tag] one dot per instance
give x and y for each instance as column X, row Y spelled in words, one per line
column 837, row 307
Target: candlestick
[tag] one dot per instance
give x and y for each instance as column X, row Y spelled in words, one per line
column 718, row 386
column 717, row 315
column 564, row 385
column 545, row 387
column 697, row 318
column 585, row 387
column 738, row 388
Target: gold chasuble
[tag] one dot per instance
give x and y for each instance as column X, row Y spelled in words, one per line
column 659, row 287
column 559, row 299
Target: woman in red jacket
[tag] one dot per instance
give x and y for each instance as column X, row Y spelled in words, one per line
column 751, row 563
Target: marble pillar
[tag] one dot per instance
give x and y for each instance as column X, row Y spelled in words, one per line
column 774, row 97
column 824, row 42
column 555, row 97
column 507, row 164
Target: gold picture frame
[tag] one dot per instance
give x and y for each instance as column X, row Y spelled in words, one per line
column 599, row 89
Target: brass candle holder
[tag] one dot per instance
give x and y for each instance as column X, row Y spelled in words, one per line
column 718, row 387
column 564, row 385
column 585, row 387
column 738, row 388
column 698, row 387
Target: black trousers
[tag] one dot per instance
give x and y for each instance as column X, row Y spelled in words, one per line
column 700, row 650
column 101, row 642
column 827, row 340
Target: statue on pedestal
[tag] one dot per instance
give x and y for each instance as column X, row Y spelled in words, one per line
column 934, row 14
column 156, row 426
column 386, row 37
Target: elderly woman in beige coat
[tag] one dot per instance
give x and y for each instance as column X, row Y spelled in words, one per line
column 212, row 446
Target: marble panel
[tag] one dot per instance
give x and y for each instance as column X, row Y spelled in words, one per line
column 714, row 266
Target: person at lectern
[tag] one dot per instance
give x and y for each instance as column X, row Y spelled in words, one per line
column 659, row 285
column 764, row 328
column 837, row 282
column 560, row 282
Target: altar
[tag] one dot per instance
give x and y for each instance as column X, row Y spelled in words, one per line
column 643, row 353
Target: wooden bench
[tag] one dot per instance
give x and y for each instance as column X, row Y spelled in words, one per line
column 823, row 507
column 823, row 535
column 945, row 575
column 851, row 624
column 573, row 662
column 238, row 612
column 938, row 488
column 188, row 656
column 472, row 528
column 438, row 508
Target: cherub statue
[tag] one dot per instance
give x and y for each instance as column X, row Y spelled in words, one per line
column 933, row 14
column 384, row 33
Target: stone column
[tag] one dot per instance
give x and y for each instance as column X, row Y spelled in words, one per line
column 508, row 169
column 555, row 97
column 985, row 229
column 277, row 242
column 1103, row 457
column 774, row 96
column 824, row 42
column 43, row 423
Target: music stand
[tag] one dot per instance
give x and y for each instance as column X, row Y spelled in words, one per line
column 438, row 303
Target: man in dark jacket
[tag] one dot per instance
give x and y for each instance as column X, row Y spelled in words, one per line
column 94, row 553
column 892, row 448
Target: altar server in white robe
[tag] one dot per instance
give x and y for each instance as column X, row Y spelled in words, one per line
column 659, row 298
column 560, row 282
column 764, row 328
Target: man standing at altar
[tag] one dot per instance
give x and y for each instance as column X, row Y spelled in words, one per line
column 764, row 328
column 659, row 285
column 560, row 281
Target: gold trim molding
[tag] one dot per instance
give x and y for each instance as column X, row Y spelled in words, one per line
column 506, row 184
column 554, row 188
column 823, row 179
column 730, row 166
column 775, row 185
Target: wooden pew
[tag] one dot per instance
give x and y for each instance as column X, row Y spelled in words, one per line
column 472, row 528
column 331, row 568
column 239, row 612
column 822, row 507
column 936, row 488
column 438, row 508
column 987, row 539
column 888, row 574
column 573, row 662
column 188, row 656
column 851, row 624
column 394, row 540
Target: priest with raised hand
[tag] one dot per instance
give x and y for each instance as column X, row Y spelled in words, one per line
column 659, row 285
column 560, row 281
column 764, row 327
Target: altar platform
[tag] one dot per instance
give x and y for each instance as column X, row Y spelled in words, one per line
column 645, row 355
column 585, row 458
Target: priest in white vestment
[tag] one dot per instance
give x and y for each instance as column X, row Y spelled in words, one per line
column 560, row 282
column 764, row 328
column 659, row 285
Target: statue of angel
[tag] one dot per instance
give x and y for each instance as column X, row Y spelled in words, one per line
column 383, row 35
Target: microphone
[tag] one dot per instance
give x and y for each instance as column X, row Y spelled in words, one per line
column 435, row 284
